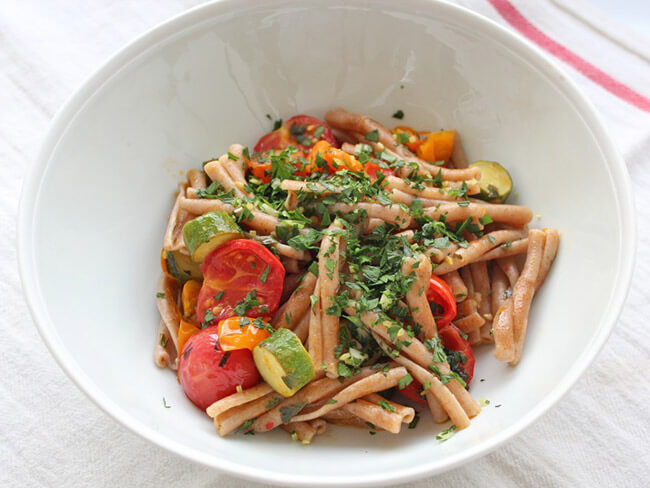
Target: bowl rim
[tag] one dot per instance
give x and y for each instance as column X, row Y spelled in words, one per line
column 192, row 17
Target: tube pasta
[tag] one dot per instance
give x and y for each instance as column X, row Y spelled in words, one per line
column 315, row 391
column 379, row 416
column 329, row 265
column 456, row 284
column 416, row 297
column 296, row 307
column 235, row 417
column 196, row 179
column 237, row 399
column 217, row 172
column 507, row 249
column 167, row 298
column 371, row 384
column 164, row 348
column 475, row 249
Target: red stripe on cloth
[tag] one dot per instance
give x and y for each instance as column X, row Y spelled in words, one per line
column 519, row 22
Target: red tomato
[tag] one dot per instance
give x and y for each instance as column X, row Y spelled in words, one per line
column 440, row 293
column 235, row 270
column 453, row 341
column 208, row 374
column 299, row 131
column 412, row 392
column 372, row 169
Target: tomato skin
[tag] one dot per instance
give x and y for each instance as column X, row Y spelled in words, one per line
column 207, row 375
column 240, row 333
column 412, row 392
column 452, row 340
column 229, row 275
column 298, row 131
column 440, row 293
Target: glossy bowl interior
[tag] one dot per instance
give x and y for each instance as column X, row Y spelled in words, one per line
column 95, row 205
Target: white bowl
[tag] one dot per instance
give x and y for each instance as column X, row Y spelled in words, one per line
column 96, row 201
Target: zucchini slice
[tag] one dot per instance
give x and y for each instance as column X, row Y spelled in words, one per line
column 207, row 232
column 181, row 266
column 495, row 182
column 283, row 362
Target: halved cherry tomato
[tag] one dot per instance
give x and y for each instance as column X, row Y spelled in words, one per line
column 412, row 392
column 301, row 131
column 240, row 333
column 413, row 141
column 186, row 329
column 453, row 341
column 335, row 158
column 189, row 297
column 262, row 171
column 207, row 373
column 239, row 272
column 371, row 168
column 440, row 293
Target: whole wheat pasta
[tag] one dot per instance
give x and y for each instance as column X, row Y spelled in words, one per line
column 437, row 412
column 507, row 249
column 372, row 224
column 486, row 332
column 297, row 305
column 342, row 120
column 234, row 163
column 470, row 322
column 329, row 265
column 305, row 431
column 454, row 212
column 399, row 196
column 551, row 245
column 406, row 413
column 422, row 192
column 291, row 282
column 509, row 266
column 316, row 330
column 416, row 297
column 474, row 337
column 235, row 417
column 447, row 400
column 502, row 327
column 164, row 348
column 393, row 214
column 200, row 206
column 512, row 215
column 376, row 415
column 217, row 172
column 524, row 289
column 167, row 292
column 282, row 249
column 170, row 239
column 302, row 328
column 421, row 355
column 310, row 187
column 315, row 391
column 371, row 384
column 237, row 399
column 196, row 179
column 456, row 284
column 482, row 287
column 499, row 284
column 475, row 249
column 291, row 265
column 343, row 417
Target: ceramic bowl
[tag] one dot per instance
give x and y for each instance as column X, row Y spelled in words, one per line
column 96, row 201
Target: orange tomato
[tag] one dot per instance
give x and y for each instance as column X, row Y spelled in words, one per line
column 189, row 297
column 336, row 158
column 186, row 330
column 437, row 146
column 240, row 333
column 414, row 139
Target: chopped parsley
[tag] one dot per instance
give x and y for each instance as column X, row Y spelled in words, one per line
column 160, row 295
column 399, row 114
column 165, row 403
column 372, row 136
column 265, row 274
column 446, row 434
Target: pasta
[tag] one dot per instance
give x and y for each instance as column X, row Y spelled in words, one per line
column 305, row 278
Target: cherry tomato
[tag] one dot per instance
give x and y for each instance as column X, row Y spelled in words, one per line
column 207, row 373
column 240, row 333
column 301, row 131
column 412, row 392
column 335, row 158
column 440, row 293
column 371, row 168
column 412, row 139
column 240, row 272
column 453, row 341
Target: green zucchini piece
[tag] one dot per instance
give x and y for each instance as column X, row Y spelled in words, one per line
column 495, row 182
column 181, row 266
column 283, row 362
column 207, row 232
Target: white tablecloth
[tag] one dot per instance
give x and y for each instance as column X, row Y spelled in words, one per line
column 52, row 435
